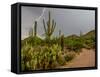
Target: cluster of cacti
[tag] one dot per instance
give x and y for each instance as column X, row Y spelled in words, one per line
column 41, row 57
column 49, row 27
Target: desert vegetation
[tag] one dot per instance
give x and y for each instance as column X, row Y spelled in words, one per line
column 51, row 53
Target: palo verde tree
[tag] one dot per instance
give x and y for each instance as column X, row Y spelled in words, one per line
column 49, row 27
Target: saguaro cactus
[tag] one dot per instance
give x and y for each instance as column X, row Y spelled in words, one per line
column 59, row 37
column 62, row 42
column 35, row 28
column 49, row 29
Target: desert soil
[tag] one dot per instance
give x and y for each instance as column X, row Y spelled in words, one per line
column 85, row 59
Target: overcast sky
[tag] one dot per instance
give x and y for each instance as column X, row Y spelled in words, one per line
column 69, row 21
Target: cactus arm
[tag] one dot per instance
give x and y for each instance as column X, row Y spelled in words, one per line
column 48, row 28
column 49, row 17
column 54, row 27
column 49, row 24
column 52, row 22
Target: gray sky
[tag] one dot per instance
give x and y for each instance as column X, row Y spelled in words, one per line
column 69, row 21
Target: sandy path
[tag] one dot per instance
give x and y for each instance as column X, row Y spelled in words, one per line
column 85, row 59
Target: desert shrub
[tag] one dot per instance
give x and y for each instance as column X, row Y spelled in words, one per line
column 69, row 57
column 51, row 41
column 33, row 40
column 89, row 42
column 74, row 44
column 61, row 59
column 54, row 40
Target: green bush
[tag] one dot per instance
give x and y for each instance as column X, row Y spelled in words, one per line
column 61, row 59
column 89, row 42
column 26, row 56
column 33, row 41
column 69, row 57
column 74, row 44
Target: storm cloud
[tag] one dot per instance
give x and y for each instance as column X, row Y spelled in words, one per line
column 69, row 21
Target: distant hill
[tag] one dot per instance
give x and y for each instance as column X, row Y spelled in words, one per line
column 89, row 39
column 89, row 34
column 72, row 36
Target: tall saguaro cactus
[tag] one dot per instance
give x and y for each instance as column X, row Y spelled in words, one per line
column 49, row 29
column 62, row 42
column 35, row 28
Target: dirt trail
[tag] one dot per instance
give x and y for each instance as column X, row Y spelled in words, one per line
column 85, row 59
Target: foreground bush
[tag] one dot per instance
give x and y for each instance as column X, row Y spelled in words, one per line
column 34, row 58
